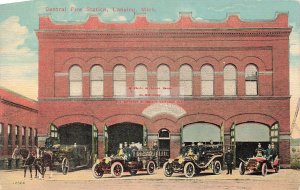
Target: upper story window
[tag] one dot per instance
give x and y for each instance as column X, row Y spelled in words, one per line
column 75, row 78
column 230, row 80
column 119, row 77
column 186, row 80
column 207, row 80
column 163, row 80
column 251, row 80
column 140, row 80
column 96, row 81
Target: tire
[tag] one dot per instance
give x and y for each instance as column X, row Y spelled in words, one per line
column 150, row 168
column 217, row 167
column 116, row 169
column 168, row 169
column 242, row 168
column 133, row 171
column 189, row 170
column 97, row 171
column 277, row 168
column 264, row 169
column 65, row 166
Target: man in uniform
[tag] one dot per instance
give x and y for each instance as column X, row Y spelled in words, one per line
column 120, row 150
column 274, row 151
column 229, row 161
column 183, row 149
column 268, row 154
column 259, row 151
column 127, row 151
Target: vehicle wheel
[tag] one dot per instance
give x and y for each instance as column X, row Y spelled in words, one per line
column 150, row 168
column 242, row 168
column 264, row 169
column 168, row 169
column 133, row 171
column 189, row 169
column 116, row 169
column 97, row 171
column 217, row 167
column 65, row 166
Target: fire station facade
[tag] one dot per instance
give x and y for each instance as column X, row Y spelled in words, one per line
column 108, row 83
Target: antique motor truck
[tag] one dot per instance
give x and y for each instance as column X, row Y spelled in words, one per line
column 194, row 159
column 259, row 164
column 135, row 159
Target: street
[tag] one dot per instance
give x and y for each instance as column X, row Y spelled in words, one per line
column 83, row 179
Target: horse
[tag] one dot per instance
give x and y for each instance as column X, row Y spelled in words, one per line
column 28, row 159
column 45, row 160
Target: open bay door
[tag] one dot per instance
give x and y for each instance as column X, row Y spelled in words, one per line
column 94, row 153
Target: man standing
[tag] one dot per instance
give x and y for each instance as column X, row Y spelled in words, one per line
column 229, row 161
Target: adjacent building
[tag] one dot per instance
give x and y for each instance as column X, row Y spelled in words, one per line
column 187, row 81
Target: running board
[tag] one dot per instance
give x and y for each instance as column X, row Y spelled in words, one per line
column 207, row 164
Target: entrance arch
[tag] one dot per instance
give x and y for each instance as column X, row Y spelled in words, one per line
column 201, row 132
column 124, row 132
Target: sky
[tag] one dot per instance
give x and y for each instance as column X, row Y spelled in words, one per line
column 19, row 44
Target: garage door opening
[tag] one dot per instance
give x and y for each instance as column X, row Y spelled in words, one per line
column 78, row 133
column 123, row 132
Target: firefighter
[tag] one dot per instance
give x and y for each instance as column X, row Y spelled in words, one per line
column 229, row 161
column 259, row 151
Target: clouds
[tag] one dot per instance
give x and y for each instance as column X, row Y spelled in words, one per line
column 111, row 15
column 18, row 63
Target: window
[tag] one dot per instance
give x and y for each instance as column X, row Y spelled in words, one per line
column 75, row 77
column 17, row 132
column 1, row 134
column 23, row 136
column 9, row 130
column 163, row 80
column 96, row 81
column 140, row 80
column 119, row 78
column 251, row 79
column 53, row 131
column 207, row 80
column 186, row 78
column 30, row 136
column 35, row 137
column 229, row 80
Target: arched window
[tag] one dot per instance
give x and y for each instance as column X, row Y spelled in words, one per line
column 229, row 80
column 96, row 81
column 75, row 78
column 140, row 80
column 119, row 80
column 186, row 78
column 207, row 80
column 163, row 80
column 251, row 80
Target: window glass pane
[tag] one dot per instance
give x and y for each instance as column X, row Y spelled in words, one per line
column 251, row 88
column 140, row 73
column 120, row 88
column 119, row 73
column 161, row 85
column 207, row 72
column 207, row 88
column 230, row 88
column 141, row 88
column 76, row 88
column 75, row 73
column 96, row 88
column 163, row 73
column 185, row 73
column 251, row 72
column 97, row 73
column 229, row 72
column 186, row 88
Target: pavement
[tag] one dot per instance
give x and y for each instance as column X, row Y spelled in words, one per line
column 285, row 179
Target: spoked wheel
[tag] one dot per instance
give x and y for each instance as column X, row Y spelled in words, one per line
column 217, row 167
column 189, row 169
column 97, row 171
column 264, row 169
column 133, row 171
column 65, row 166
column 168, row 169
column 116, row 169
column 242, row 168
column 151, row 168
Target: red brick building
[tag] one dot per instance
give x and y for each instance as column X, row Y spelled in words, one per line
column 18, row 117
column 107, row 83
